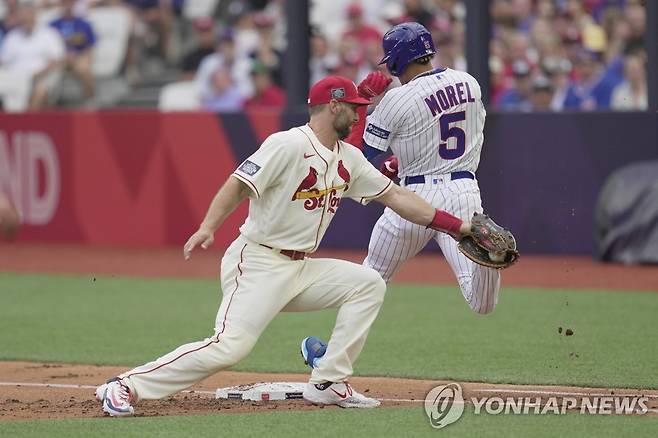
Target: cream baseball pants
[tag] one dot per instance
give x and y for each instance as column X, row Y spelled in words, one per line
column 258, row 283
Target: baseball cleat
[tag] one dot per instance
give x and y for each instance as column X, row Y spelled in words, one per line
column 115, row 397
column 339, row 394
column 312, row 350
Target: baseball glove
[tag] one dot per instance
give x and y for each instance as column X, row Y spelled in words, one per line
column 489, row 244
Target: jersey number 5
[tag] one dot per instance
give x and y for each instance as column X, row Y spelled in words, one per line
column 457, row 133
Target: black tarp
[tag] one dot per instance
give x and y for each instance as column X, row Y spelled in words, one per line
column 626, row 215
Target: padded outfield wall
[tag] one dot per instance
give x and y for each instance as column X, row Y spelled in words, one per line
column 146, row 178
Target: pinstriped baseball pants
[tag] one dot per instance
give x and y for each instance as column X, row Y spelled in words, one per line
column 395, row 240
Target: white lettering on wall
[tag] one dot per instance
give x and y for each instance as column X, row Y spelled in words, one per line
column 21, row 158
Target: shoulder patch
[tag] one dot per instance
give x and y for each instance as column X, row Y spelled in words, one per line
column 377, row 131
column 248, row 167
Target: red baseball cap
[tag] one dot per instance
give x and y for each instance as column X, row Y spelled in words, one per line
column 336, row 88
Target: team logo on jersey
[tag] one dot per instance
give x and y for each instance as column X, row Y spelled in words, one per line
column 344, row 173
column 316, row 198
column 377, row 131
column 338, row 93
column 307, row 183
column 248, row 167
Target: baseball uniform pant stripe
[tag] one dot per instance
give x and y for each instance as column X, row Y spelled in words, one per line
column 216, row 337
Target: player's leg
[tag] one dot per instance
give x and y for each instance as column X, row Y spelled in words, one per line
column 358, row 292
column 256, row 285
column 479, row 285
column 393, row 241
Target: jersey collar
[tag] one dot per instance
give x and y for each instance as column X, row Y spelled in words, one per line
column 429, row 73
column 319, row 147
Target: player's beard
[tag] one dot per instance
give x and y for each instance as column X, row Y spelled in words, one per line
column 343, row 125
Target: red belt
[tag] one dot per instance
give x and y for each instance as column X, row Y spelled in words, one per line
column 294, row 255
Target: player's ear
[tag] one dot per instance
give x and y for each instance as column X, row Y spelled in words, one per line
column 334, row 106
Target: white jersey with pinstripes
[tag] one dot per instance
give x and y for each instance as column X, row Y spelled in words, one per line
column 433, row 124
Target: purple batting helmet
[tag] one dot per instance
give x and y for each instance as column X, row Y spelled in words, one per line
column 405, row 43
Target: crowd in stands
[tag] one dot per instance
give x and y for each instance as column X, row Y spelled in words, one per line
column 554, row 55
column 545, row 55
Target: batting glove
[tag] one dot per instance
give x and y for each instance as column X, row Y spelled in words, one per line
column 390, row 167
column 374, row 84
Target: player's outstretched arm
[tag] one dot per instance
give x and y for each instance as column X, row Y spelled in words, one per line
column 225, row 201
column 415, row 209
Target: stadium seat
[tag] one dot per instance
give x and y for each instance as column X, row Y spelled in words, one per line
column 112, row 28
column 179, row 96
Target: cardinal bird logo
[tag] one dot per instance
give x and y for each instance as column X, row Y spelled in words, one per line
column 343, row 173
column 308, row 182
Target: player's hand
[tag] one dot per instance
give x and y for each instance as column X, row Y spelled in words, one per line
column 390, row 167
column 202, row 237
column 374, row 84
column 464, row 230
column 9, row 218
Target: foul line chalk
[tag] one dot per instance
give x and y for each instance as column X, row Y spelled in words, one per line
column 398, row 400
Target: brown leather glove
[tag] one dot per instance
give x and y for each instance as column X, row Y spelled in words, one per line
column 489, row 244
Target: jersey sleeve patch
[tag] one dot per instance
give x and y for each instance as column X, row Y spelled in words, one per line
column 249, row 168
column 377, row 131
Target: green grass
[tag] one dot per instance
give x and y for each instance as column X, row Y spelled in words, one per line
column 423, row 332
column 409, row 422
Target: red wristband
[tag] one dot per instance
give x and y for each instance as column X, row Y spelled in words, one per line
column 446, row 222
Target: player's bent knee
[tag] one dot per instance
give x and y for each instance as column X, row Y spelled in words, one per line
column 378, row 286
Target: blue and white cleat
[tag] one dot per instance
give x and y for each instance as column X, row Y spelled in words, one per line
column 312, row 350
column 115, row 398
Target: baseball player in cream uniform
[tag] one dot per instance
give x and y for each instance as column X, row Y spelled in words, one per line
column 295, row 183
column 433, row 124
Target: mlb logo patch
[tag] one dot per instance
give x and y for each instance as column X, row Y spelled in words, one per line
column 249, row 168
column 338, row 93
column 377, row 131
column 427, row 44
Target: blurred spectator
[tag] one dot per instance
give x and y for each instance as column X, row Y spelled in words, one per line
column 79, row 39
column 204, row 31
column 632, row 93
column 266, row 53
column 541, row 94
column 576, row 44
column 557, row 70
column 153, row 29
column 324, row 61
column 266, row 93
column 35, row 53
column 517, row 98
column 357, row 29
column 415, row 10
column 10, row 18
column 222, row 94
column 586, row 92
column 221, row 68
